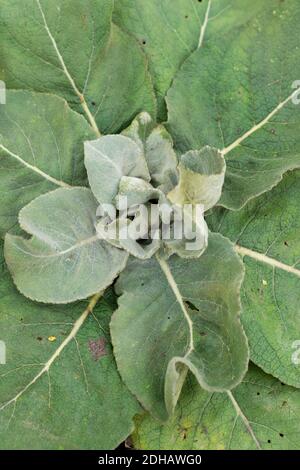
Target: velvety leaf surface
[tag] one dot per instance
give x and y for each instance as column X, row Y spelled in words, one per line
column 177, row 315
column 109, row 158
column 64, row 260
column 170, row 30
column 157, row 146
column 237, row 97
column 41, row 148
column 261, row 414
column 201, row 178
column 59, row 389
column 267, row 233
column 70, row 48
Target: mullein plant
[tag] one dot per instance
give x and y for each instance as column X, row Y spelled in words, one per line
column 113, row 110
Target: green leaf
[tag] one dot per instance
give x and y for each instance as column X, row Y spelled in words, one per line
column 70, row 48
column 157, row 146
column 65, row 393
column 41, row 148
column 110, row 158
column 179, row 316
column 201, row 178
column 170, row 30
column 65, row 258
column 238, row 98
column 267, row 234
column 260, row 414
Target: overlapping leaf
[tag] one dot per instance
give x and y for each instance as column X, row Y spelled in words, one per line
column 70, row 48
column 179, row 316
column 41, row 148
column 170, row 30
column 267, row 234
column 239, row 98
column 260, row 414
column 64, row 260
column 65, row 393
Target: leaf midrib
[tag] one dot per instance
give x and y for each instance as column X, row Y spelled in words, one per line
column 35, row 169
column 72, row 335
column 65, row 70
column 78, row 245
column 267, row 260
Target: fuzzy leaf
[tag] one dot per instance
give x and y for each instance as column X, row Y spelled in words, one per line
column 262, row 414
column 238, row 98
column 136, row 190
column 157, row 146
column 62, row 402
column 176, row 316
column 41, row 148
column 267, row 234
column 65, row 258
column 70, row 48
column 110, row 158
column 170, row 30
column 201, row 178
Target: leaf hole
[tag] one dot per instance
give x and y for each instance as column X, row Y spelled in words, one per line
column 258, row 393
column 286, row 243
column 269, row 441
column 144, row 42
column 281, row 435
column 191, row 306
column 93, row 103
column 39, row 338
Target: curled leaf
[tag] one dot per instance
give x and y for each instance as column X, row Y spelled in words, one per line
column 201, row 178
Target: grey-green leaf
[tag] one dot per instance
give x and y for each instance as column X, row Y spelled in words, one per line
column 65, row 393
column 239, row 98
column 261, row 414
column 266, row 232
column 170, row 30
column 64, row 260
column 177, row 315
column 71, row 48
column 41, row 148
column 157, row 146
column 108, row 159
column 201, row 178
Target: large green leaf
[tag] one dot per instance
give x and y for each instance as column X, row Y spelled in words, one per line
column 41, row 148
column 177, row 315
column 170, row 30
column 267, row 233
column 236, row 94
column 70, row 48
column 259, row 414
column 65, row 258
column 60, row 388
